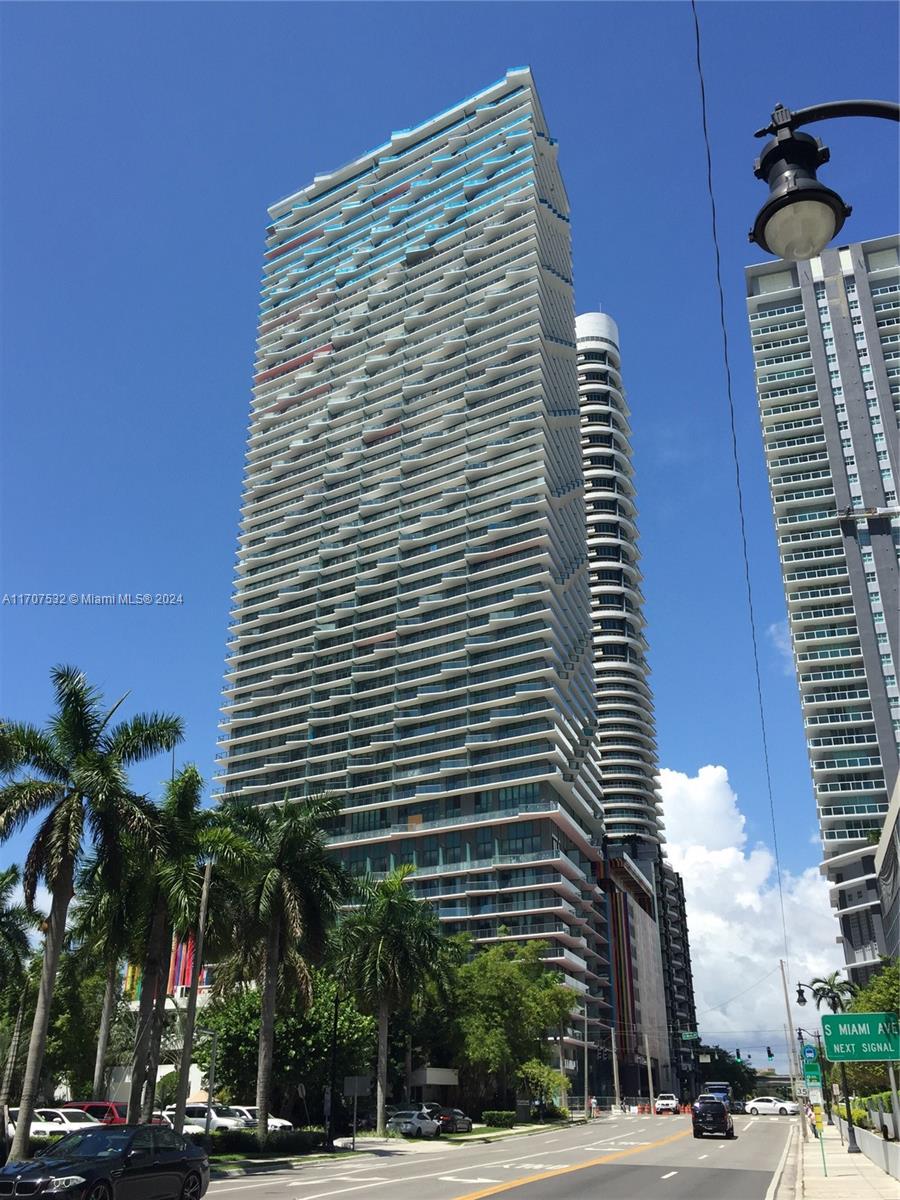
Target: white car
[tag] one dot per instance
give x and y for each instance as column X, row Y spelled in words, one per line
column 190, row 1127
column 771, row 1105
column 414, row 1123
column 666, row 1102
column 251, row 1113
column 53, row 1122
column 221, row 1116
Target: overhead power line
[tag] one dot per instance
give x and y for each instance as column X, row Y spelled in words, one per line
column 737, row 472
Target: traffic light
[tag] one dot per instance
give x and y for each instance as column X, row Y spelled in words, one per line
column 737, row 1054
column 769, row 1053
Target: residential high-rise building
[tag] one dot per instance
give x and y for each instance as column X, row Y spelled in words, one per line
column 411, row 626
column 652, row 973
column 826, row 345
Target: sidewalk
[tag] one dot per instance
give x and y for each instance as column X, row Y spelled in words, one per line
column 850, row 1176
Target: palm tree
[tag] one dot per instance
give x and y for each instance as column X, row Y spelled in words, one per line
column 74, row 772
column 104, row 924
column 172, row 883
column 390, row 944
column 282, row 913
column 833, row 991
column 15, row 948
column 15, row 924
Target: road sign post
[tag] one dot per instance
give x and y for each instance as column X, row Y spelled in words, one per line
column 861, row 1037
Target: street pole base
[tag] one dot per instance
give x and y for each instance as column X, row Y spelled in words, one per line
column 853, row 1149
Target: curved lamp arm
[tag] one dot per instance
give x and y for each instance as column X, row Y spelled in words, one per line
column 785, row 118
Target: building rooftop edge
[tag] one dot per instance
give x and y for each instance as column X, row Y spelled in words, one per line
column 332, row 177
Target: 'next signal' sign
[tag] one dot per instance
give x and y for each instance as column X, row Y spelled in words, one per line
column 861, row 1037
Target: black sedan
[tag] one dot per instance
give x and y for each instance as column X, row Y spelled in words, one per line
column 114, row 1162
column 453, row 1120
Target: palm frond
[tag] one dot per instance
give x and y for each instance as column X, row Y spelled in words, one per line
column 24, row 745
column 143, row 736
column 23, row 799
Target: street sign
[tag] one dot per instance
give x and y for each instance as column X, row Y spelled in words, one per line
column 705, row 1058
column 812, row 1072
column 802, row 1090
column 815, row 1095
column 688, row 1035
column 809, row 1053
column 861, row 1037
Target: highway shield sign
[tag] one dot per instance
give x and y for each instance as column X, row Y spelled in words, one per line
column 861, row 1037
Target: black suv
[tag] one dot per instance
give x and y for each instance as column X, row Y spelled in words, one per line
column 711, row 1116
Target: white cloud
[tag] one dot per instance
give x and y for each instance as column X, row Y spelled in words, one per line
column 734, row 916
column 780, row 637
column 42, row 902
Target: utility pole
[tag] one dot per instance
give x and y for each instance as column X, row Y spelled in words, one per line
column 789, row 1042
column 615, row 1066
column 586, row 1113
column 649, row 1071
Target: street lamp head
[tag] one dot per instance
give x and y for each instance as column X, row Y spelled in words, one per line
column 801, row 215
column 801, row 995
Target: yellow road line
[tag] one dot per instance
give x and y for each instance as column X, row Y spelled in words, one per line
column 593, row 1162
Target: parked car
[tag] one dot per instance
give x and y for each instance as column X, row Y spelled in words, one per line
column 711, row 1116
column 221, row 1116
column 110, row 1112
column 738, row 1106
column 113, row 1162
column 772, row 1105
column 414, row 1123
column 190, row 1126
column 666, row 1102
column 432, row 1108
column 53, row 1122
column 250, row 1113
column 454, row 1120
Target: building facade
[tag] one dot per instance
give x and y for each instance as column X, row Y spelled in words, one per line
column 653, row 984
column 826, row 346
column 411, row 623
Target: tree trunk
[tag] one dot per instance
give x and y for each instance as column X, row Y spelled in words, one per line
column 11, row 1060
column 267, row 1031
column 109, row 1004
column 159, row 1020
column 407, row 1071
column 63, row 892
column 382, row 1069
column 151, row 980
column 187, row 1046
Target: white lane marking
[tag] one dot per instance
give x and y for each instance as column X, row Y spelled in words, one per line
column 459, row 1179
column 669, row 1176
column 700, row 1156
column 744, row 1128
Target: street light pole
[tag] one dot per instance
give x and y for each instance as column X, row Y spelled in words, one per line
column 836, row 1005
column 802, row 215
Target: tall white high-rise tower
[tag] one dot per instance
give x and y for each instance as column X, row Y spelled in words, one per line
column 411, row 626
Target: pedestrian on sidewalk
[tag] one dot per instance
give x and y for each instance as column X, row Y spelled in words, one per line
column 811, row 1117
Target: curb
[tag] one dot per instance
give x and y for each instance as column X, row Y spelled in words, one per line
column 787, row 1182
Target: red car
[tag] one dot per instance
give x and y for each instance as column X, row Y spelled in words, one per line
column 110, row 1112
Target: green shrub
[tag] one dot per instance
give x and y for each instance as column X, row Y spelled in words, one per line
column 552, row 1112
column 279, row 1143
column 860, row 1117
column 498, row 1119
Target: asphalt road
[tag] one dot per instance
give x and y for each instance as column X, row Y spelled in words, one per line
column 619, row 1158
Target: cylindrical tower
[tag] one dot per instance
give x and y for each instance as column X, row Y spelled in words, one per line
column 626, row 731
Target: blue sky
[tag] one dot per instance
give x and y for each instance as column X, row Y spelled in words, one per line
column 142, row 146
